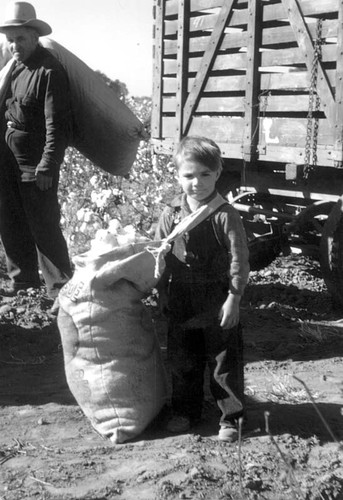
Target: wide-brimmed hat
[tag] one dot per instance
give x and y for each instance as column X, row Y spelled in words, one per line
column 23, row 14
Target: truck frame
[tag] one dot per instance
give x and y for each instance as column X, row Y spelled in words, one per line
column 264, row 79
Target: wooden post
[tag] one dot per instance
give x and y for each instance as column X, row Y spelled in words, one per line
column 158, row 34
column 338, row 131
column 251, row 125
column 182, row 64
column 206, row 62
column 304, row 40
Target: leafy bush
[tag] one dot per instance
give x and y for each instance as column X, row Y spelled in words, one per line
column 90, row 197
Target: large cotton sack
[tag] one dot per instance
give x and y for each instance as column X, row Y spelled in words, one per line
column 112, row 356
column 104, row 129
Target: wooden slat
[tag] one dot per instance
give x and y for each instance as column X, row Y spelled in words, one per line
column 238, row 61
column 220, row 129
column 285, row 34
column 198, row 5
column 199, row 44
column 279, row 133
column 339, row 90
column 291, row 132
column 252, row 87
column 229, row 61
column 207, row 22
column 306, row 45
column 214, row 84
column 273, row 12
column 269, row 104
column 211, row 105
column 308, row 7
column 294, row 154
column 156, row 118
column 294, row 81
column 294, row 56
column 182, row 64
column 206, row 62
column 270, row 37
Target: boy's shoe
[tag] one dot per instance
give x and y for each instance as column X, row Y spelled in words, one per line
column 178, row 424
column 228, row 432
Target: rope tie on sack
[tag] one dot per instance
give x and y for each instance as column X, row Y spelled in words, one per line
column 185, row 225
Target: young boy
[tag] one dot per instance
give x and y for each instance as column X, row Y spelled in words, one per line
column 206, row 272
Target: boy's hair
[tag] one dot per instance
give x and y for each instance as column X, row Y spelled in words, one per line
column 200, row 149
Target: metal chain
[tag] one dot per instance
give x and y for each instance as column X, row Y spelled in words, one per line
column 313, row 107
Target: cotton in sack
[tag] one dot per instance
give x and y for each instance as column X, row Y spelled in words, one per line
column 105, row 130
column 112, row 356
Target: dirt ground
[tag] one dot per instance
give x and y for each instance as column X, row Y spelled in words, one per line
column 291, row 445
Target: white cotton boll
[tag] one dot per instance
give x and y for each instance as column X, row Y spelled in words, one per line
column 80, row 214
column 114, row 226
column 93, row 180
column 88, row 216
column 84, row 227
column 104, row 241
column 126, row 235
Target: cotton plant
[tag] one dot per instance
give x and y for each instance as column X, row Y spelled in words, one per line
column 115, row 235
column 90, row 198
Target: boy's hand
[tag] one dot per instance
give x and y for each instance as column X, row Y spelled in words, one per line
column 229, row 313
column 163, row 301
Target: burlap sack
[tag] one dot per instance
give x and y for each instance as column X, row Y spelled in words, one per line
column 105, row 130
column 112, row 357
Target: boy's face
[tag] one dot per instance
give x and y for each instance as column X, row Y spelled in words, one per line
column 197, row 180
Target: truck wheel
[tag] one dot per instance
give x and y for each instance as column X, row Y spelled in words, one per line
column 331, row 253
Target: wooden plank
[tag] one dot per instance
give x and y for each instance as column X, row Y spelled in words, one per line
column 213, row 84
column 252, row 87
column 308, row 8
column 229, row 61
column 296, row 81
column 285, row 34
column 167, row 146
column 182, row 64
column 207, row 22
column 305, row 43
column 339, row 90
column 295, row 56
column 291, row 132
column 288, row 132
column 238, row 61
column 206, row 63
column 200, row 44
column 292, row 103
column 294, row 154
column 275, row 11
column 211, row 105
column 198, row 5
column 221, row 129
column 156, row 123
column 293, row 81
column 270, row 37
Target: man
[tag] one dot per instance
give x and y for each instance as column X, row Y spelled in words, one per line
column 35, row 124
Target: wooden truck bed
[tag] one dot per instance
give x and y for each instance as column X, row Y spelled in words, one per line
column 262, row 78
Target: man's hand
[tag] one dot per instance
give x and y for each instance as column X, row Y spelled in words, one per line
column 44, row 182
column 229, row 313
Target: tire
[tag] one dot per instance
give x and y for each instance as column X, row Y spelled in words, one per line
column 331, row 253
